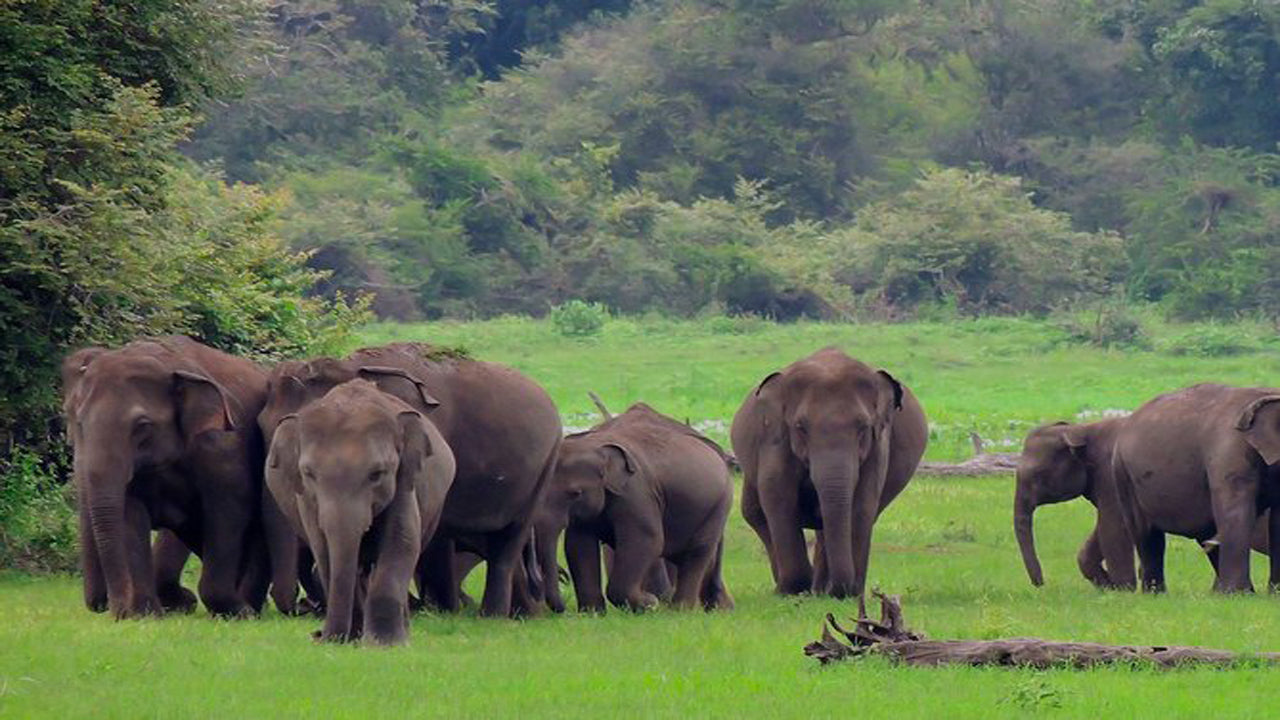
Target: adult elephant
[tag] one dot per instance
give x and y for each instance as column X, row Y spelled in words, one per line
column 363, row 476
column 163, row 436
column 825, row 443
column 504, row 431
column 1202, row 463
column 654, row 490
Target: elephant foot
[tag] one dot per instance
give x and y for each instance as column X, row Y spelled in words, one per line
column 719, row 600
column 1233, row 588
column 138, row 607
column 96, row 604
column 231, row 611
column 638, row 603
column 308, row 606
column 177, row 599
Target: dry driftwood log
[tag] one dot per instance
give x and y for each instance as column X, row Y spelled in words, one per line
column 982, row 463
column 890, row 638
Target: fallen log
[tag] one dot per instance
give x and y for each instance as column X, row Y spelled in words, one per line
column 982, row 463
column 889, row 637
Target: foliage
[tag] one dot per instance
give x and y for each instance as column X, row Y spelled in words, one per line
column 579, row 319
column 975, row 237
column 1108, row 326
column 37, row 522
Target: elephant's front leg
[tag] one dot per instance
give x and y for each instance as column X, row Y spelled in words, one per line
column 694, row 567
column 638, row 544
column 780, row 500
column 169, row 555
column 582, row 553
column 386, row 608
column 866, row 509
column 1273, row 547
column 821, row 578
column 142, row 599
column 504, row 548
column 283, row 549
column 436, row 574
column 545, row 538
column 228, row 501
column 753, row 513
column 1089, row 560
column 1234, row 514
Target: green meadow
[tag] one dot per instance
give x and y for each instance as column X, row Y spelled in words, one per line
column 946, row 546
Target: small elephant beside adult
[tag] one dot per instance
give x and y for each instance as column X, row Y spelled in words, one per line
column 1063, row 461
column 825, row 443
column 1204, row 463
column 654, row 490
column 363, row 476
column 163, row 436
column 504, row 431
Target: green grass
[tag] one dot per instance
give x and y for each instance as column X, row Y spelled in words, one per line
column 946, row 546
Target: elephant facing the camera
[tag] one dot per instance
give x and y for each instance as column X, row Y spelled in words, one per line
column 825, row 443
column 655, row 491
column 363, row 477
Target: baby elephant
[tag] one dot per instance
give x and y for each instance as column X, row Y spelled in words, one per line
column 653, row 489
column 363, row 477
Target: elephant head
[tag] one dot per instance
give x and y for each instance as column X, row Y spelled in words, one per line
column 1051, row 469
column 835, row 421
column 1260, row 423
column 588, row 469
column 338, row 463
column 127, row 409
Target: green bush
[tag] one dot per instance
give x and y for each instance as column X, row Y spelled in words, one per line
column 578, row 318
column 1108, row 327
column 37, row 517
column 1210, row 341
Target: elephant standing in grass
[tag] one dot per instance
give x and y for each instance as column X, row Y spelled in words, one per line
column 1062, row 462
column 363, row 476
column 163, row 436
column 825, row 443
column 504, row 431
column 654, row 490
column 1204, row 463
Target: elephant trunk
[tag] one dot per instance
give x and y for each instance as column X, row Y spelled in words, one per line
column 343, row 527
column 1024, row 508
column 545, row 537
column 101, row 481
column 835, row 481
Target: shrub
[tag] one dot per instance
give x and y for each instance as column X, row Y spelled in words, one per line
column 578, row 318
column 37, row 519
column 1108, row 327
column 1210, row 341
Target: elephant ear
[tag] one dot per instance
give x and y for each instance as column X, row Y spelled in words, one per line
column 382, row 376
column 892, row 391
column 282, row 477
column 203, row 404
column 1260, row 423
column 1076, row 440
column 766, row 381
column 620, row 467
column 74, row 367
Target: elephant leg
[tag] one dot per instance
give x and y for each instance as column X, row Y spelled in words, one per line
column 635, row 551
column 753, row 513
column 169, row 555
column 1089, row 560
column 523, row 602
column 437, row 578
column 386, row 609
column 582, row 553
column 1234, row 514
column 691, row 576
column 95, row 585
column 658, row 581
column 1151, row 554
column 255, row 573
column 793, row 574
column 1116, row 547
column 715, row 596
column 820, row 574
column 549, row 558
column 225, row 528
column 142, row 598
column 283, row 549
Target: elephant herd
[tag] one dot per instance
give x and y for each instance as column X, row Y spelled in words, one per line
column 376, row 482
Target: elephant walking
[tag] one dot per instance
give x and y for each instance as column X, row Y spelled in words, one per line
column 163, row 436
column 825, row 443
column 654, row 490
column 1202, row 463
column 504, row 431
column 1062, row 462
column 363, row 476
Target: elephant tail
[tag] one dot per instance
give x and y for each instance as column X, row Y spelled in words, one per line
column 715, row 596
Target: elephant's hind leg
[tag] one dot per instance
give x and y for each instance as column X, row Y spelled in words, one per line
column 715, row 596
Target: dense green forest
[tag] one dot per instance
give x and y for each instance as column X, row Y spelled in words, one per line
column 266, row 176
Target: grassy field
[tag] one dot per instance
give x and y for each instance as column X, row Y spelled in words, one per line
column 946, row 546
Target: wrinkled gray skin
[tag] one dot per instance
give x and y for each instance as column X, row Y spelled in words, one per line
column 651, row 488
column 826, row 443
column 1062, row 462
column 504, row 431
column 1202, row 463
column 363, row 476
column 163, row 436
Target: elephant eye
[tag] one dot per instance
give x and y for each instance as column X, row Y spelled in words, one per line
column 376, row 475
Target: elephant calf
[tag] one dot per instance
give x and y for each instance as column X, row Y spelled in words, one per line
column 651, row 488
column 362, row 476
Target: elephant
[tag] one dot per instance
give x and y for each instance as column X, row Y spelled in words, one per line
column 363, row 476
column 504, row 431
column 1062, row 462
column 825, row 443
column 1202, row 463
column 162, row 435
column 654, row 490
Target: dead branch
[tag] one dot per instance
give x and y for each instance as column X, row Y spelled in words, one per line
column 600, row 405
column 982, row 463
column 891, row 638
